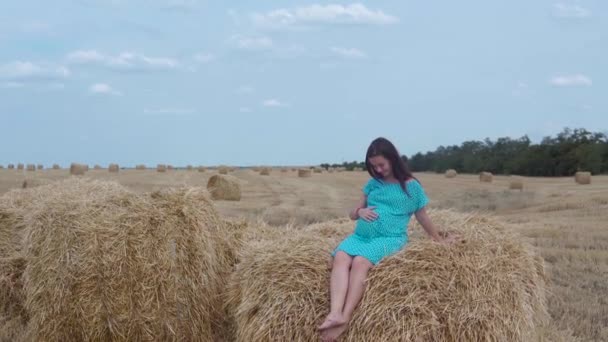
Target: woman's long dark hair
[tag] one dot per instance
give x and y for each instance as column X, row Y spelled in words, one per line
column 383, row 147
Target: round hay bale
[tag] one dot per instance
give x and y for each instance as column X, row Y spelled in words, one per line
column 283, row 170
column 189, row 167
column 265, row 171
column 140, row 167
column 97, row 167
column 170, row 167
column 161, row 168
column 224, row 187
column 113, row 168
column 516, row 183
column 485, row 177
column 304, row 173
column 78, row 169
column 107, row 264
column 1, row 166
column 31, row 167
column 451, row 173
column 201, row 169
column 318, row 170
column 491, row 280
column 582, row 177
column 222, row 170
column 20, row 166
column 39, row 167
column 11, row 166
column 56, row 167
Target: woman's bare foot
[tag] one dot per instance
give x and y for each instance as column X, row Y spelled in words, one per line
column 332, row 334
column 332, row 320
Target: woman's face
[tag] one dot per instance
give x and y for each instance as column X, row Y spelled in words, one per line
column 382, row 166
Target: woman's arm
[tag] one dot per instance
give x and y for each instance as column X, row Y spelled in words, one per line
column 425, row 221
column 362, row 204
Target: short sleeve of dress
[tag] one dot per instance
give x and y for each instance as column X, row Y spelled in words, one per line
column 369, row 186
column 417, row 194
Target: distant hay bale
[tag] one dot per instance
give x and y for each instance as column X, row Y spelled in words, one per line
column 222, row 170
column 516, row 183
column 170, row 167
column 140, row 167
column 113, row 168
column 39, row 167
column 189, row 167
column 97, row 167
column 10, row 166
column 201, row 169
column 31, row 167
column 293, row 169
column 284, row 170
column 161, row 168
column 224, row 187
column 1, row 166
column 492, row 280
column 318, row 170
column 256, row 169
column 265, row 171
column 78, row 169
column 304, row 173
column 582, row 177
column 106, row 264
column 56, row 167
column 451, row 173
column 20, row 166
column 485, row 177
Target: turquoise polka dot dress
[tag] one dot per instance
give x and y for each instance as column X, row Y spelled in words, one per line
column 387, row 234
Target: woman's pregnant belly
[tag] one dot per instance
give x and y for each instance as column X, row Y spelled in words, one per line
column 384, row 225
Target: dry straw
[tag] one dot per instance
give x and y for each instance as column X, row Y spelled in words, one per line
column 20, row 166
column 78, row 169
column 31, row 167
column 489, row 287
column 189, row 167
column 451, row 173
column 582, row 177
column 201, row 169
column 304, row 173
column 103, row 263
column 516, row 183
column 140, row 167
column 161, row 168
column 265, row 171
column 56, row 167
column 224, row 187
column 113, row 168
column 223, row 170
column 318, row 170
column 485, row 177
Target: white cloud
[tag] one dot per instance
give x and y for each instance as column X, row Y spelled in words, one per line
column 170, row 111
column 562, row 10
column 252, row 43
column 244, row 109
column 122, row 61
column 28, row 71
column 273, row 103
column 352, row 53
column 575, row 80
column 322, row 14
column 204, row 58
column 104, row 89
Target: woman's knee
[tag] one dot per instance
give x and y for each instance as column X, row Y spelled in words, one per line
column 362, row 264
column 342, row 259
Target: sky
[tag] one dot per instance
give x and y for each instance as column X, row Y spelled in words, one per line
column 291, row 82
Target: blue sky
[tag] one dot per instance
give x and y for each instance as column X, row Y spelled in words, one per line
column 290, row 82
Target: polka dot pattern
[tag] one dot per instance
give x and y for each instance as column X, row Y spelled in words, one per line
column 387, row 234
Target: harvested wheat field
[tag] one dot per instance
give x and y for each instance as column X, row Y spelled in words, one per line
column 564, row 221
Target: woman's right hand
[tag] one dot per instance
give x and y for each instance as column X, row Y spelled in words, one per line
column 368, row 214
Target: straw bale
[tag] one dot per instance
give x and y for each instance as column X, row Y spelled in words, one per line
column 20, row 166
column 161, row 168
column 318, row 170
column 222, row 170
column 265, row 171
column 582, row 177
column 113, row 168
column 516, row 183
column 56, row 167
column 1, row 166
column 10, row 166
column 485, row 177
column 488, row 287
column 201, row 169
column 78, row 169
column 107, row 264
column 170, row 167
column 31, row 167
column 451, row 173
column 224, row 187
column 189, row 167
column 140, row 167
column 304, row 173
column 39, row 167
column 97, row 167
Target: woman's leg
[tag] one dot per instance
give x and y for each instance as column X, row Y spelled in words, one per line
column 338, row 289
column 356, row 287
